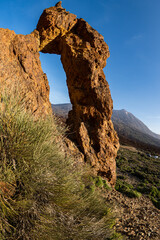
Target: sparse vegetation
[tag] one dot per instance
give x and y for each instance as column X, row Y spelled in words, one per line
column 126, row 188
column 98, row 182
column 144, row 169
column 43, row 195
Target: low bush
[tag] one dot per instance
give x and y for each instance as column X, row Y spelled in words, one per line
column 156, row 202
column 126, row 189
column 143, row 188
column 98, row 182
column 155, row 196
column 155, row 192
column 43, row 195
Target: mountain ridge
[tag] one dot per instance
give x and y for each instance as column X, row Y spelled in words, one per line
column 130, row 129
column 125, row 116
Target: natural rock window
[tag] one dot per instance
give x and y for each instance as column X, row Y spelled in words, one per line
column 52, row 66
column 83, row 53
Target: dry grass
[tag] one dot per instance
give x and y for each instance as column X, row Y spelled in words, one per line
column 42, row 194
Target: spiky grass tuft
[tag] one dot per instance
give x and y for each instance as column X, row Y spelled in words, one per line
column 41, row 193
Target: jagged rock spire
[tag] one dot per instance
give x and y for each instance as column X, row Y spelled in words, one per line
column 58, row 4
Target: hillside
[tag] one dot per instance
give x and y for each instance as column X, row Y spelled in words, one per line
column 44, row 193
column 134, row 132
column 62, row 109
column 128, row 119
column 138, row 194
column 131, row 130
column 69, row 198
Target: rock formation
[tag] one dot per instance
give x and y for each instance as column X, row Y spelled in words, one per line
column 20, row 68
column 83, row 55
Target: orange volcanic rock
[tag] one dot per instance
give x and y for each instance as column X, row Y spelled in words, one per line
column 83, row 55
column 20, row 69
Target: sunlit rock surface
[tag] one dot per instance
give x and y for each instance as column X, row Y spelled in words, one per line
column 20, row 70
column 83, row 55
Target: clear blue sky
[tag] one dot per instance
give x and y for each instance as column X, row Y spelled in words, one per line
column 131, row 28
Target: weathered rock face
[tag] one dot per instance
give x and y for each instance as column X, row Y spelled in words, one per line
column 20, row 69
column 83, row 55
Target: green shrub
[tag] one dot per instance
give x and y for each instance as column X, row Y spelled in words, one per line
column 143, row 188
column 116, row 236
column 155, row 196
column 98, row 182
column 126, row 189
column 155, row 192
column 43, row 195
column 134, row 193
column 122, row 177
column 105, row 185
column 156, row 202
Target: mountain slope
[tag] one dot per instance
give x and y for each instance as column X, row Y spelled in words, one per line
column 131, row 130
column 131, row 136
column 128, row 119
column 62, row 109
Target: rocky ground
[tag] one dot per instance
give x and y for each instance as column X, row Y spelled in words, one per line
column 136, row 218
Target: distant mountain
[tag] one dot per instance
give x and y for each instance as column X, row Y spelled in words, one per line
column 62, row 109
column 131, row 130
column 122, row 117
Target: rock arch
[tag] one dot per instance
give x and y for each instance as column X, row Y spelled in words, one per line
column 83, row 55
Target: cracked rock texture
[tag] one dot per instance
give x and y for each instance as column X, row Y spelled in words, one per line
column 83, row 55
column 20, row 71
